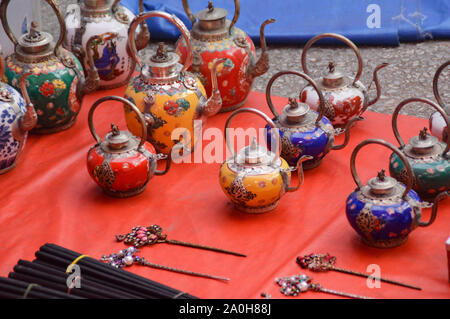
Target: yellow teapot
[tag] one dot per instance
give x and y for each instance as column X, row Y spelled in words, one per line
column 255, row 178
column 169, row 97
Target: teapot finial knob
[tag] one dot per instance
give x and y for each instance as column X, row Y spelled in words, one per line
column 114, row 129
column 382, row 175
column 293, row 102
column 161, row 53
column 423, row 134
column 254, row 144
column 210, row 6
column 331, row 66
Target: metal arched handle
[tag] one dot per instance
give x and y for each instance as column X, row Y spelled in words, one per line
column 2, row 65
column 435, row 83
column 338, row 37
column 395, row 150
column 169, row 17
column 237, row 11
column 260, row 114
column 125, row 101
column 56, row 10
column 422, row 100
column 307, row 78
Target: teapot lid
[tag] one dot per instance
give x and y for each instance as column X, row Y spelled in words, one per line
column 423, row 143
column 162, row 65
column 35, row 41
column 116, row 139
column 255, row 154
column 212, row 18
column 334, row 78
column 211, row 13
column 295, row 112
column 382, row 184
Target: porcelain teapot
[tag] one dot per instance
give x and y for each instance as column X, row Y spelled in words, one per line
column 169, row 97
column 384, row 211
column 97, row 33
column 438, row 126
column 17, row 118
column 255, row 178
column 304, row 131
column 345, row 98
column 122, row 164
column 428, row 157
column 214, row 37
column 56, row 83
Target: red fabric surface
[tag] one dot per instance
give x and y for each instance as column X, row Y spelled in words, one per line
column 50, row 197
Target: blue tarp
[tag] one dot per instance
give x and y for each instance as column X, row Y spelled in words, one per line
column 371, row 22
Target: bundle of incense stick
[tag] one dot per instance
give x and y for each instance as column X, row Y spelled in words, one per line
column 46, row 277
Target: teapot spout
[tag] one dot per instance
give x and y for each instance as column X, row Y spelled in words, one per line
column 92, row 81
column 377, row 84
column 441, row 196
column 29, row 119
column 300, row 175
column 347, row 129
column 262, row 65
column 143, row 37
column 214, row 103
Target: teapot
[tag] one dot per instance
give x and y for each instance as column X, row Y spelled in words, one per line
column 428, row 157
column 255, row 178
column 56, row 83
column 344, row 98
column 97, row 34
column 437, row 123
column 384, row 211
column 17, row 118
column 122, row 164
column 169, row 97
column 302, row 130
column 214, row 37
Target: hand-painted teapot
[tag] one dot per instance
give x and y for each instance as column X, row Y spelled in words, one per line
column 385, row 211
column 214, row 37
column 302, row 130
column 169, row 97
column 97, row 33
column 122, row 164
column 344, row 98
column 438, row 126
column 56, row 83
column 255, row 178
column 17, row 117
column 429, row 158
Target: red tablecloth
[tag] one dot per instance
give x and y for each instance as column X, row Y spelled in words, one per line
column 49, row 197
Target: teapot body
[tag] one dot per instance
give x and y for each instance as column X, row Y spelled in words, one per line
column 438, row 126
column 52, row 88
column 170, row 106
column 12, row 138
column 122, row 174
column 431, row 173
column 383, row 222
column 254, row 189
column 109, row 47
column 341, row 104
column 234, row 81
column 311, row 139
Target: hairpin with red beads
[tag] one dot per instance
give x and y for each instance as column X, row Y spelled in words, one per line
column 325, row 262
column 151, row 235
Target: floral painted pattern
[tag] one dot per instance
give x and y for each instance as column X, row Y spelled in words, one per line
column 176, row 108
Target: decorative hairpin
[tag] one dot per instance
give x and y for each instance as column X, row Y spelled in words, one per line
column 151, row 235
column 127, row 257
column 294, row 285
column 325, row 262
